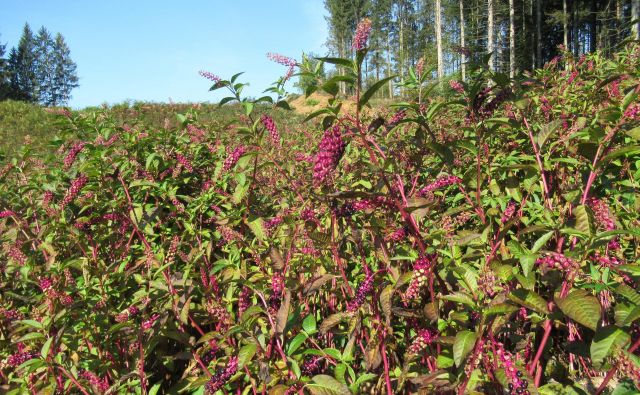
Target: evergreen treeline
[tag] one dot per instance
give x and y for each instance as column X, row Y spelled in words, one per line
column 38, row 70
column 520, row 34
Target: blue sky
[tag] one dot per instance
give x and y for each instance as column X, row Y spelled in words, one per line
column 152, row 50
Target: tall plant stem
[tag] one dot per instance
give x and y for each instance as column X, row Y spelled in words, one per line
column 536, row 150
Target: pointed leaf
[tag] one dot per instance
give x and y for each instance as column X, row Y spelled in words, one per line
column 327, row 385
column 581, row 307
column 465, row 340
column 364, row 99
column 530, row 300
column 605, row 341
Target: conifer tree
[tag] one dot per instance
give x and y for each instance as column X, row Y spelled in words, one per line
column 65, row 78
column 22, row 63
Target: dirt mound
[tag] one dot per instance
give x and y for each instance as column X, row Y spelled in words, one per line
column 307, row 105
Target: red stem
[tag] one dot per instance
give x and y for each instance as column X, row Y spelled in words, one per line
column 387, row 379
column 545, row 338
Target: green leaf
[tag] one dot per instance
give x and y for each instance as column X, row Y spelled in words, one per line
column 283, row 312
column 546, row 131
column 309, row 324
column 327, row 385
column 605, row 341
column 338, row 61
column 465, row 340
column 364, row 99
column 542, row 241
column 631, row 294
column 317, row 113
column 443, row 151
column 581, row 307
column 296, row 342
column 530, row 300
column 45, row 348
column 624, row 151
column 154, row 390
column 31, row 323
column 331, row 321
column 584, row 219
column 499, row 309
column 634, row 133
column 246, row 354
column 257, row 227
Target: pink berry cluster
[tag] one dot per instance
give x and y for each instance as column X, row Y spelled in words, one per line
column 606, row 260
column 396, row 118
column 128, row 313
column 244, row 301
column 147, row 324
column 73, row 153
column 517, row 385
column 270, row 125
column 277, row 283
column 196, row 134
column 59, row 111
column 633, row 112
column 281, row 59
column 361, row 35
column 101, row 384
column 330, row 152
column 364, row 289
column 554, row 260
column 232, row 157
column 628, row 368
column 7, row 213
column 456, row 86
column 17, row 255
column 173, row 248
column 272, row 223
column 602, row 214
column 76, row 186
column 285, row 61
column 46, row 284
column 421, row 270
column 10, row 315
column 21, row 357
column 420, row 66
column 397, row 235
column 209, row 76
column 184, row 162
column 422, row 340
column 440, row 182
column 508, row 212
column 219, row 379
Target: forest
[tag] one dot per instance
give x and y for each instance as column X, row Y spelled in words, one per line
column 450, row 206
column 519, row 35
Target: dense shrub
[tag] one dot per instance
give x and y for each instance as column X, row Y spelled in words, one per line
column 488, row 243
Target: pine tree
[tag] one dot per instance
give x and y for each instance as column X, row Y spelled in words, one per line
column 4, row 74
column 44, row 66
column 65, row 78
column 22, row 64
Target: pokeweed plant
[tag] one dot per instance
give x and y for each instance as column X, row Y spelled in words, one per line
column 479, row 243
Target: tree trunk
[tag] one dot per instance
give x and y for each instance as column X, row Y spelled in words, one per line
column 539, row 33
column 401, row 49
column 635, row 14
column 512, row 39
column 438, row 12
column 618, row 25
column 565, row 25
column 574, row 35
column 490, row 35
column 389, row 71
column 463, row 58
column 593, row 25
